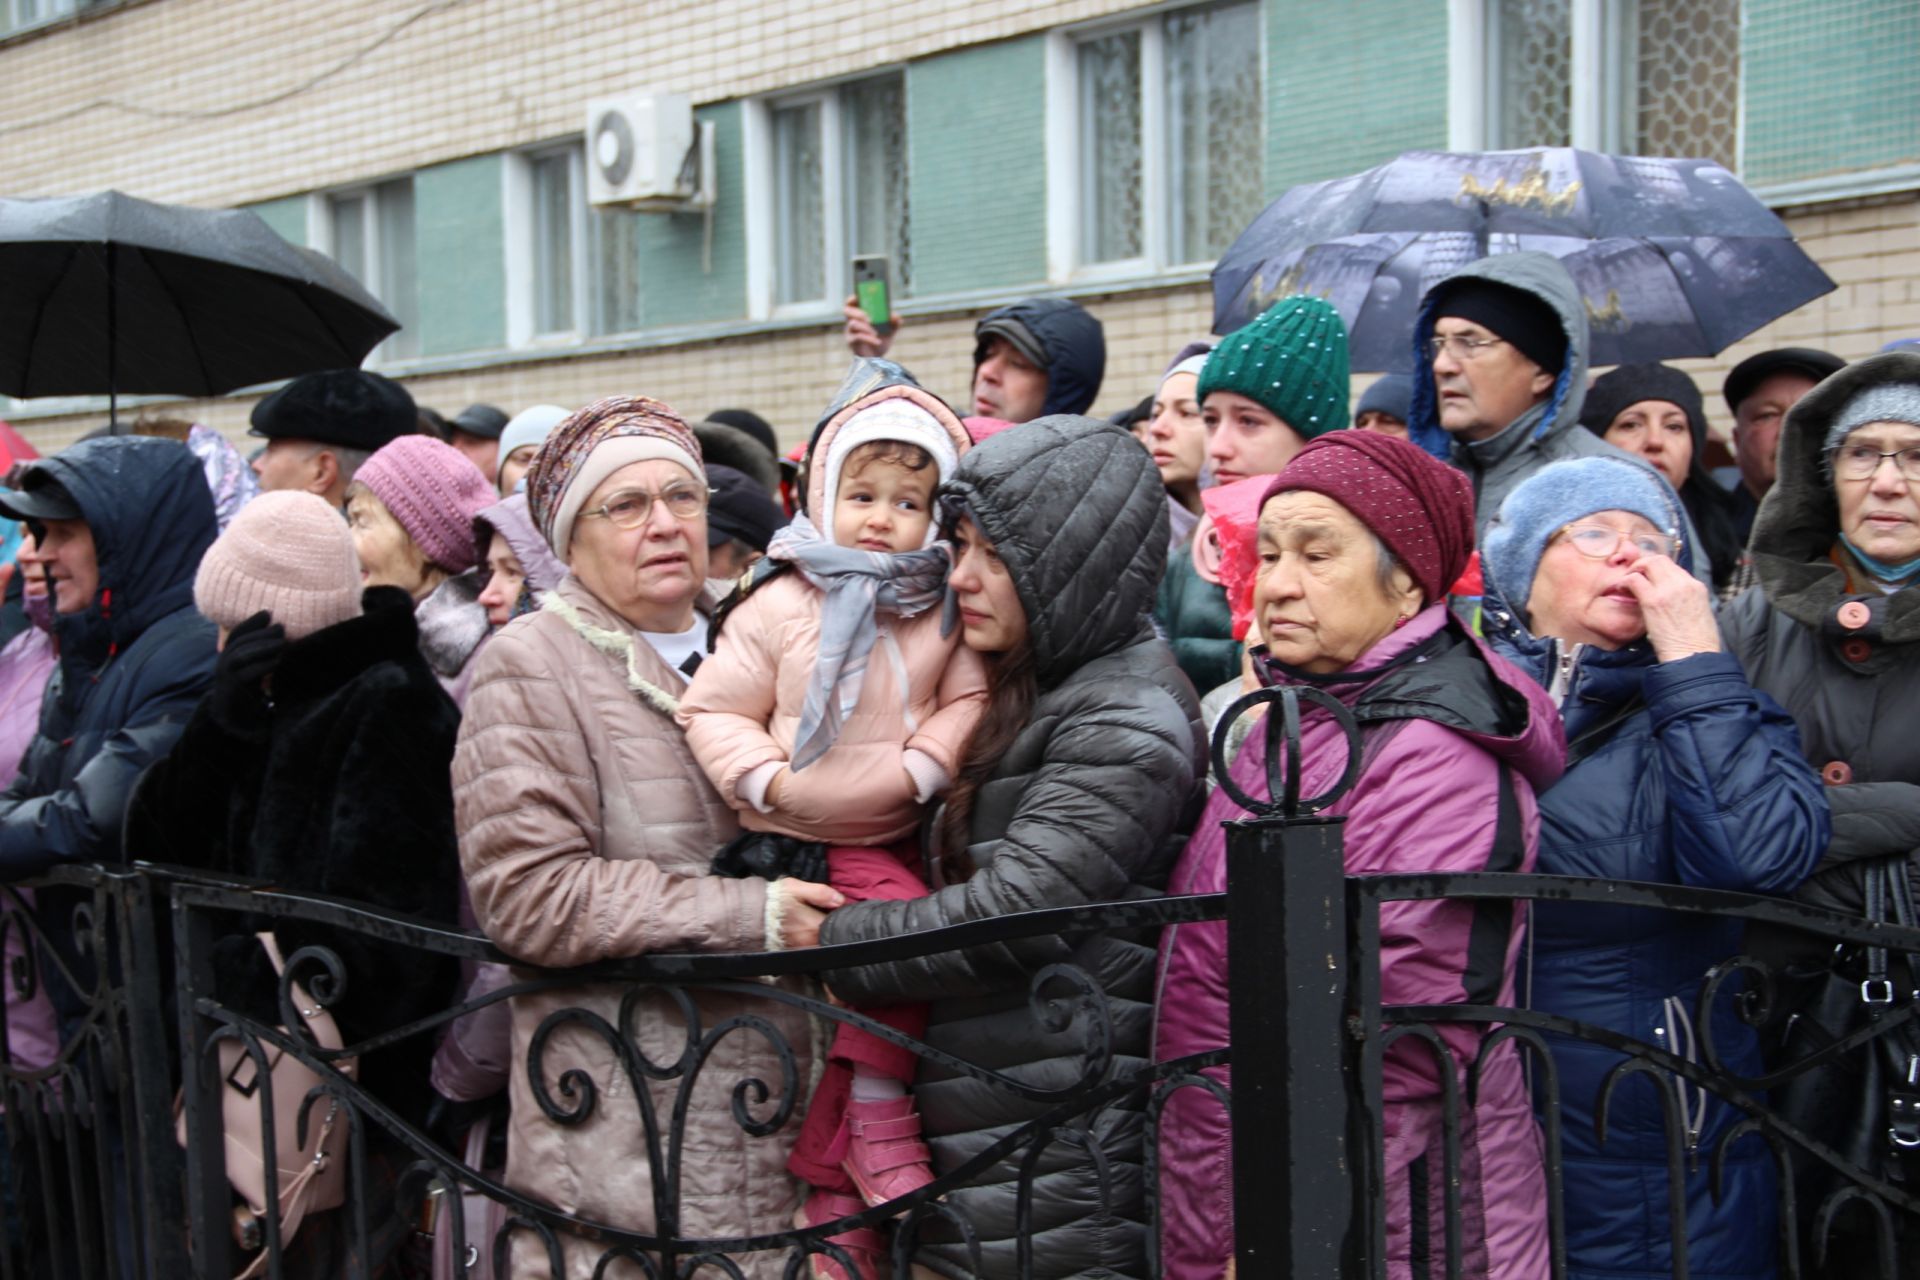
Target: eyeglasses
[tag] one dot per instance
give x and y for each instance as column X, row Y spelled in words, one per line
column 629, row 508
column 1861, row 461
column 1460, row 347
column 1597, row 541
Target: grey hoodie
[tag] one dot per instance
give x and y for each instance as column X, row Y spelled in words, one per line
column 1550, row 430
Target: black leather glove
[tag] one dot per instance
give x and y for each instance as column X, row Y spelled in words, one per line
column 238, row 700
column 771, row 856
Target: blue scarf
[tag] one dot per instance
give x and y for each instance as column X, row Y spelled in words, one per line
column 858, row 586
column 1889, row 573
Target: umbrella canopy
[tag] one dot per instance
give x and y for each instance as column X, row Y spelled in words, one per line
column 106, row 293
column 1674, row 257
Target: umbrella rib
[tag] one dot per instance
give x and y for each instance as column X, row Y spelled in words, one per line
column 166, row 287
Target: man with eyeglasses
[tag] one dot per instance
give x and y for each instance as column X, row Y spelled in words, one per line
column 1500, row 373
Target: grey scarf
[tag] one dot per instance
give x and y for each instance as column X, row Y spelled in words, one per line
column 858, row 586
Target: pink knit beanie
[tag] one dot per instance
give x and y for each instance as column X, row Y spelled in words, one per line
column 289, row 553
column 434, row 492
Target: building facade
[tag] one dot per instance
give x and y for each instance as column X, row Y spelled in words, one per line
column 992, row 149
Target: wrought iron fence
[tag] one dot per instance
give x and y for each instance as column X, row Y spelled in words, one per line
column 99, row 1184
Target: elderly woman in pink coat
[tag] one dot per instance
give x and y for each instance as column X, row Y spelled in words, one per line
column 1358, row 540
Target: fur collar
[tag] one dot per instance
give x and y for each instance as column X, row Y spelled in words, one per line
column 452, row 624
column 622, row 645
column 317, row 665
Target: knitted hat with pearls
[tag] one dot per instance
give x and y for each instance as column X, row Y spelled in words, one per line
column 1292, row 361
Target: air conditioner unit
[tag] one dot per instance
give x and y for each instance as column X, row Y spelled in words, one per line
column 646, row 151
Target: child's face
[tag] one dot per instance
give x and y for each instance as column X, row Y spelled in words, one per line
column 883, row 506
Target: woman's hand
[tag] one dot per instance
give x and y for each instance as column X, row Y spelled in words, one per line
column 805, row 910
column 1677, row 607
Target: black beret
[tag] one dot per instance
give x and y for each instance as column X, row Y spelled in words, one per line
column 347, row 407
column 741, row 509
column 1746, row 377
column 481, row 420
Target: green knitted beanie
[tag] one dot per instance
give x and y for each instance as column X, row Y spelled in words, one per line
column 1292, row 360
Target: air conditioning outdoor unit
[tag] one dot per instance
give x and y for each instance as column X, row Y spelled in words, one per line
column 646, row 151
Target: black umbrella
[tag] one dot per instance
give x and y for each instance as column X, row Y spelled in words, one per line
column 107, row 293
column 1674, row 257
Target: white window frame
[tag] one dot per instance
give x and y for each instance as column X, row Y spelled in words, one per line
column 1601, row 106
column 1066, row 212
column 762, row 212
column 12, row 21
column 320, row 225
column 522, row 260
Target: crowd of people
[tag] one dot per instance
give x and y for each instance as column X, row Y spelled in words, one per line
column 607, row 682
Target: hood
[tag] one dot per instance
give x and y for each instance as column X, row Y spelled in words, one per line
column 512, row 521
column 1086, row 567
column 147, row 504
column 1541, row 275
column 1799, row 519
column 1435, row 669
column 868, row 383
column 1072, row 342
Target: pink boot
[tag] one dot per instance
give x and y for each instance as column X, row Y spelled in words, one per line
column 866, row 1246
column 885, row 1157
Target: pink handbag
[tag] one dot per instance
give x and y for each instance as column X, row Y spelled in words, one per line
column 313, row 1177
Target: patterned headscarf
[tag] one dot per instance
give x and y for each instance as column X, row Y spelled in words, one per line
column 572, row 462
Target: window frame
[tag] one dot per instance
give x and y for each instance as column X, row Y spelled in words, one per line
column 521, row 224
column 322, row 226
column 763, row 235
column 1067, row 158
column 1602, row 90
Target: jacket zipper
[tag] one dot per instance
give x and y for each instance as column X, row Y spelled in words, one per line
column 1564, row 658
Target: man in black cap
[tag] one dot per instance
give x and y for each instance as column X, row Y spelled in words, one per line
column 475, row 431
column 741, row 519
column 1760, row 390
column 320, row 427
column 1031, row 358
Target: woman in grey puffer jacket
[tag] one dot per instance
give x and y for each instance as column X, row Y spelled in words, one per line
column 1080, row 786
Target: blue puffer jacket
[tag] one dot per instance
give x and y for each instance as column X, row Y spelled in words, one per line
column 1678, row 773
column 133, row 664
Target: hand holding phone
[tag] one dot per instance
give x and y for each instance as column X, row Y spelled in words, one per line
column 870, row 320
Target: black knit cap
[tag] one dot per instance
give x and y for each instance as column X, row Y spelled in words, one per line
column 1521, row 318
column 1614, row 391
column 347, row 407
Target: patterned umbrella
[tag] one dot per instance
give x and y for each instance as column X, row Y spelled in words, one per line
column 1674, row 257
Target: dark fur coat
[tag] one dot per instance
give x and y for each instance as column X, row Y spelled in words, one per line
column 343, row 790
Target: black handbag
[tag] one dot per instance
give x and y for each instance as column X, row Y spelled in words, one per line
column 1865, row 1104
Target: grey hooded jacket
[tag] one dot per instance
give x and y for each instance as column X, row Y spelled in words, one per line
column 1550, row 430
column 1854, row 690
column 1091, row 803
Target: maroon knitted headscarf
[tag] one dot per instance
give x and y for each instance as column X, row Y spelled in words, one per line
column 1420, row 507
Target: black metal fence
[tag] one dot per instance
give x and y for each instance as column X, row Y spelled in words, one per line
column 99, row 1184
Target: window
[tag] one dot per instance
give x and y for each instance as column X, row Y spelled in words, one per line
column 572, row 269
column 1645, row 77
column 371, row 234
column 839, row 185
column 1167, row 136
column 15, row 15
column 555, row 181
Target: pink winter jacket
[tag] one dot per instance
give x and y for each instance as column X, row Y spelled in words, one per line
column 1426, row 800
column 921, row 690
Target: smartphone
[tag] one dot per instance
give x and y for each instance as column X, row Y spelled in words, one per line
column 872, row 292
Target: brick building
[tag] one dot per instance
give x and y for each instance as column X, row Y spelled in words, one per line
column 1107, row 149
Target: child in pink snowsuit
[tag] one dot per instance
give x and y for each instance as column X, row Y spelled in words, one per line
column 834, row 707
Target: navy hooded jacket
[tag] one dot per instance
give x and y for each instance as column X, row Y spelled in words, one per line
column 1678, row 773
column 1074, row 344
column 133, row 663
